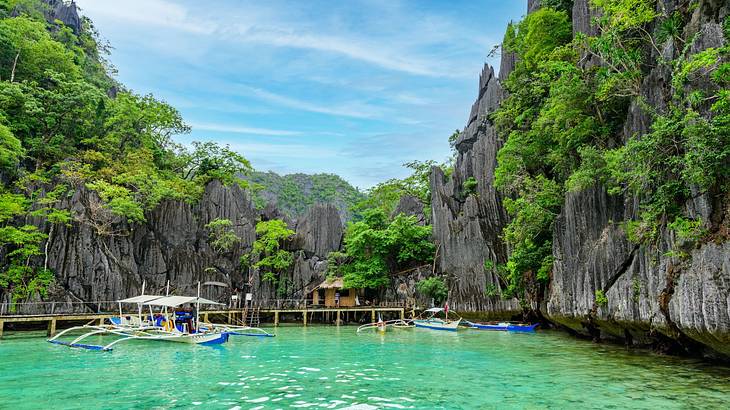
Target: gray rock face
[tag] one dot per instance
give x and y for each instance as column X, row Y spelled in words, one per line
column 652, row 296
column 320, row 231
column 410, row 206
column 583, row 15
column 532, row 5
column 64, row 11
column 173, row 246
column 466, row 227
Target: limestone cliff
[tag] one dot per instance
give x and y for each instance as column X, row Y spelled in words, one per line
column 466, row 226
column 173, row 245
column 652, row 298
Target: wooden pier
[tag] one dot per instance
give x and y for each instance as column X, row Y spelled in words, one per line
column 232, row 315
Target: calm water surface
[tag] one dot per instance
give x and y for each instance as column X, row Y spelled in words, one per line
column 327, row 367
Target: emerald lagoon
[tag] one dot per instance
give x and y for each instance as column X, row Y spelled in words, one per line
column 330, row 367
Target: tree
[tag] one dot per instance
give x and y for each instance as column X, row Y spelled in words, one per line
column 376, row 246
column 221, row 236
column 267, row 254
column 435, row 288
column 11, row 149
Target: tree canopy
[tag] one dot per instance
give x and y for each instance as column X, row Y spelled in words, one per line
column 66, row 124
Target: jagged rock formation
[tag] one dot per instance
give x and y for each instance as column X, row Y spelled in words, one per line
column 411, row 206
column 466, row 227
column 173, row 245
column 66, row 12
column 652, row 298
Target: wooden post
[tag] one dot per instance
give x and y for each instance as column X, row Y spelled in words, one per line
column 229, row 317
column 276, row 318
column 101, row 321
column 402, row 314
column 372, row 315
column 338, row 318
column 305, row 318
column 52, row 328
column 2, row 325
column 205, row 318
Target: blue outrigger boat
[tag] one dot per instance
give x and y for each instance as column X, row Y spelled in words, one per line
column 503, row 326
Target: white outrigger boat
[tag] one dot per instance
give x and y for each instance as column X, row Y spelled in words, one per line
column 433, row 322
column 182, row 326
column 381, row 325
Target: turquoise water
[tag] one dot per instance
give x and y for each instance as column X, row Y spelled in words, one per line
column 327, row 367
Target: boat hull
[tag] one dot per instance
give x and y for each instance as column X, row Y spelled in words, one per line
column 437, row 324
column 504, row 328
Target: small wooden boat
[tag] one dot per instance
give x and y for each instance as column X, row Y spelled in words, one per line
column 432, row 321
column 178, row 326
column 503, row 326
column 381, row 326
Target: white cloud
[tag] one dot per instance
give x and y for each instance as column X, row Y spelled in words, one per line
column 397, row 52
column 243, row 130
column 147, row 13
column 273, row 151
column 355, row 110
column 377, row 54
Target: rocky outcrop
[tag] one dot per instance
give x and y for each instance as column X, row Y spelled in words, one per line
column 409, row 205
column 319, row 232
column 65, row 12
column 467, row 225
column 172, row 245
column 652, row 295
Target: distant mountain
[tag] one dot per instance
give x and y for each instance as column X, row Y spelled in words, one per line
column 295, row 193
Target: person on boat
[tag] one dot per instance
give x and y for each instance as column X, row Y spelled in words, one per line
column 337, row 299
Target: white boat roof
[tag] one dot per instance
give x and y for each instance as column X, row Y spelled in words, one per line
column 140, row 299
column 173, row 301
column 434, row 310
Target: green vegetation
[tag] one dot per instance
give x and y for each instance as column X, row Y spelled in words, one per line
column 295, row 193
column 60, row 131
column 601, row 299
column 563, row 121
column 491, row 290
column 470, row 186
column 434, row 287
column 376, row 247
column 636, row 289
column 267, row 254
column 221, row 235
column 386, row 194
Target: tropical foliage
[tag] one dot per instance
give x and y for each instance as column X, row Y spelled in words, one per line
column 67, row 125
column 434, row 287
column 377, row 246
column 267, row 254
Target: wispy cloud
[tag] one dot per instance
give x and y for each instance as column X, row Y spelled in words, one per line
column 160, row 13
column 243, row 130
column 378, row 54
column 347, row 109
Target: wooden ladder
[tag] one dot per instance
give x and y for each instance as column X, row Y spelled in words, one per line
column 254, row 319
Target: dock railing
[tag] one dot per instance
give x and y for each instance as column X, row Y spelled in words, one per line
column 111, row 307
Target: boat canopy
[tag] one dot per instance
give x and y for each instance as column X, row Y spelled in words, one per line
column 174, row 301
column 140, row 299
column 434, row 310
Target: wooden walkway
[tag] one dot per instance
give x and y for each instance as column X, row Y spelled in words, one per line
column 307, row 315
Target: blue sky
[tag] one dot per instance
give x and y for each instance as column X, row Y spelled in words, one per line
column 354, row 88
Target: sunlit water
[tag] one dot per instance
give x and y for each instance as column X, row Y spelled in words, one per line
column 327, row 367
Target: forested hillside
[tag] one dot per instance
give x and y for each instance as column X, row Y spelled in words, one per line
column 67, row 127
column 294, row 194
